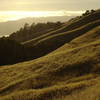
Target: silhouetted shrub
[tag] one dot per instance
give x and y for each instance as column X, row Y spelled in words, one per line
column 88, row 12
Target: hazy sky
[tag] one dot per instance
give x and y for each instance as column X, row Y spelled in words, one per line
column 7, row 6
column 48, row 4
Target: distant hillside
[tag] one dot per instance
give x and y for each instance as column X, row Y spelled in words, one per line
column 70, row 69
column 72, row 24
column 43, row 38
column 29, row 32
column 9, row 27
column 50, row 41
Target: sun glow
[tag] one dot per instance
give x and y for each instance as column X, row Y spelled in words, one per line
column 14, row 15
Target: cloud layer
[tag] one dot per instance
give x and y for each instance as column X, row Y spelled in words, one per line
column 33, row 5
column 14, row 15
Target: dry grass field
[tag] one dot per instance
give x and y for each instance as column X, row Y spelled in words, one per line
column 67, row 68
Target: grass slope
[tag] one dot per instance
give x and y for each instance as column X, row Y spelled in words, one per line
column 50, row 41
column 48, row 44
column 43, row 44
column 13, row 52
column 70, row 72
column 70, row 25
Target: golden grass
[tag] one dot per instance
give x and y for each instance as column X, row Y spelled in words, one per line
column 72, row 72
column 47, row 72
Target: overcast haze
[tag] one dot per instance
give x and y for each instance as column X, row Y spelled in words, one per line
column 48, row 4
column 26, row 8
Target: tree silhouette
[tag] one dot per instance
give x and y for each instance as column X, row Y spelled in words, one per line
column 30, row 32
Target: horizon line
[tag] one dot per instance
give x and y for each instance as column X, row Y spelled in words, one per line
column 16, row 15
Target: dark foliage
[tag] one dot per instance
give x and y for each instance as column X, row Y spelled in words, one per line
column 12, row 52
column 88, row 12
column 29, row 32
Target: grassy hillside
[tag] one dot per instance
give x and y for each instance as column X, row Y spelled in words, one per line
column 57, row 75
column 69, row 26
column 50, row 43
column 47, row 37
column 12, row 26
column 29, row 32
column 69, row 71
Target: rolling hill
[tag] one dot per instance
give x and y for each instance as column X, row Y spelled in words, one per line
column 67, row 65
column 6, row 28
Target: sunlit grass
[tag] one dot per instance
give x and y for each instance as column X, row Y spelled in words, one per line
column 71, row 72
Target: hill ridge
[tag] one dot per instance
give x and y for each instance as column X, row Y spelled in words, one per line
column 69, row 72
